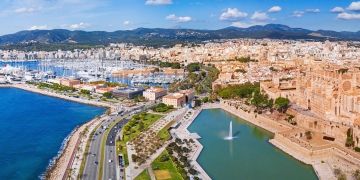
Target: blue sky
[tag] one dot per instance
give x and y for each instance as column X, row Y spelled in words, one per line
column 111, row 15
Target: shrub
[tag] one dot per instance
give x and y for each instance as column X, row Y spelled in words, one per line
column 83, row 91
column 337, row 171
column 162, row 107
column 164, row 158
column 308, row 135
column 356, row 174
column 193, row 67
column 108, row 95
column 339, row 174
column 281, row 104
column 192, row 171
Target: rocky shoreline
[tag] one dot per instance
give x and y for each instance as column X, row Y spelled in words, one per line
column 53, row 162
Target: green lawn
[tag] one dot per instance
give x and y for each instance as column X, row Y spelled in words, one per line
column 138, row 123
column 164, row 162
column 121, row 148
column 162, row 108
column 164, row 133
column 143, row 175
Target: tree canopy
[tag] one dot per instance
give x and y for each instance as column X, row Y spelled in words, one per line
column 281, row 103
column 192, row 67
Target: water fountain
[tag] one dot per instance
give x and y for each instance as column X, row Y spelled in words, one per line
column 230, row 136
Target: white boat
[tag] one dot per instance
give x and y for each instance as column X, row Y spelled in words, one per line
column 3, row 80
column 28, row 78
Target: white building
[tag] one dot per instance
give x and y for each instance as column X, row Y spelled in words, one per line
column 154, row 93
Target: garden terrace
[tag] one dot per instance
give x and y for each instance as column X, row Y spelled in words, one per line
column 138, row 123
column 165, row 168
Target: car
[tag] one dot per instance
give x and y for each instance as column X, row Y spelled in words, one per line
column 110, row 160
column 96, row 163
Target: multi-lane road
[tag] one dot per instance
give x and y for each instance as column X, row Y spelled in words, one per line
column 91, row 170
column 111, row 163
column 110, row 166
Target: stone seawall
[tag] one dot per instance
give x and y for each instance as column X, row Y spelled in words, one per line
column 323, row 158
column 280, row 141
column 318, row 156
column 256, row 119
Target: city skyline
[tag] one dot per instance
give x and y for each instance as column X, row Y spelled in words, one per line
column 110, row 15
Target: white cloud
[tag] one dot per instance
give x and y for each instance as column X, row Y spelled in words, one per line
column 184, row 19
column 26, row 10
column 260, row 16
column 158, row 2
column 275, row 9
column 354, row 6
column 179, row 19
column 348, row 16
column 298, row 13
column 126, row 23
column 232, row 14
column 42, row 27
column 313, row 10
column 80, row 25
column 337, row 10
column 245, row 24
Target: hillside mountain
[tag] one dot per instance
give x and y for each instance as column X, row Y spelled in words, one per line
column 159, row 37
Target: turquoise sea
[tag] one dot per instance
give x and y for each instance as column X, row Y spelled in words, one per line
column 32, row 130
column 248, row 156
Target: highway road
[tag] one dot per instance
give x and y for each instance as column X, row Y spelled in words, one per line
column 111, row 162
column 93, row 158
column 91, row 171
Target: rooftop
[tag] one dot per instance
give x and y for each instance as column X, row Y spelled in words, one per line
column 174, row 96
column 128, row 89
column 155, row 89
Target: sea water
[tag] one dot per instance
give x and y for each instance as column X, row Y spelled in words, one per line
column 33, row 128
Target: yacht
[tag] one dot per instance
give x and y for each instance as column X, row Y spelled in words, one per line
column 3, row 80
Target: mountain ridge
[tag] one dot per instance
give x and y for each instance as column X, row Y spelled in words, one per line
column 165, row 37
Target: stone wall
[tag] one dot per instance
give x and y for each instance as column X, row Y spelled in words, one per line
column 321, row 153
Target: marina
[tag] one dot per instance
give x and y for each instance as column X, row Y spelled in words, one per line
column 93, row 71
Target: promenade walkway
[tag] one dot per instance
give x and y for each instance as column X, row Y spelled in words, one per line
column 182, row 132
